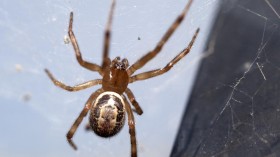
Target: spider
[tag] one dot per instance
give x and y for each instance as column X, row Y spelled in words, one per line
column 109, row 104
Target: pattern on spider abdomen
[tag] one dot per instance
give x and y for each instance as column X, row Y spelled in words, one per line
column 107, row 115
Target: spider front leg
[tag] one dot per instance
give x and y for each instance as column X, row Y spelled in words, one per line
column 85, row 64
column 131, row 124
column 107, row 37
column 146, row 58
column 77, row 122
column 153, row 73
column 74, row 88
column 131, row 98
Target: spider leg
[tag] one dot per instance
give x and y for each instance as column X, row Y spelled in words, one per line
column 77, row 122
column 107, row 37
column 131, row 124
column 153, row 73
column 131, row 98
column 74, row 88
column 150, row 55
column 85, row 64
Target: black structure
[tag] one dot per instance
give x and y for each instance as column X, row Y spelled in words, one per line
column 234, row 109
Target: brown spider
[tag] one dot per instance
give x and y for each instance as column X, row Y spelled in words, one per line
column 108, row 104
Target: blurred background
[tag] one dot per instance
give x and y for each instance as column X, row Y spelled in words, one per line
column 35, row 115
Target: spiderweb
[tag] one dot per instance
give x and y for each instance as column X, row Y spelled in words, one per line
column 242, row 95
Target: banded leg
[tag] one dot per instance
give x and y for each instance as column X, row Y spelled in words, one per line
column 131, row 98
column 153, row 73
column 142, row 61
column 77, row 122
column 131, row 124
column 107, row 37
column 85, row 64
column 76, row 87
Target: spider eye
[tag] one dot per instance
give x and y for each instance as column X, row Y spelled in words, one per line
column 117, row 65
column 125, row 63
column 120, row 66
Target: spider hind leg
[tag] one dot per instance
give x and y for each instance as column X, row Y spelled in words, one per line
column 78, row 121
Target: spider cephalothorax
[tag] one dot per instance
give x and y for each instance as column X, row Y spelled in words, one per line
column 115, row 77
column 109, row 104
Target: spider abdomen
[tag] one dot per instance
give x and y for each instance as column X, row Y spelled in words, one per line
column 107, row 114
